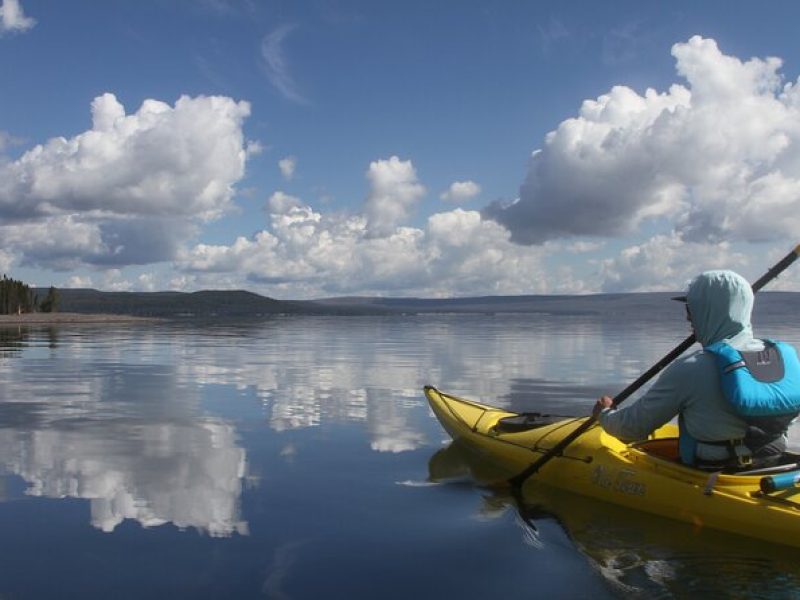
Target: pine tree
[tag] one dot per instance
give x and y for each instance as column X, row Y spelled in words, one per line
column 16, row 297
column 50, row 302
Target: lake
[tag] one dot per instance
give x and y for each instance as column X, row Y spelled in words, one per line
column 296, row 457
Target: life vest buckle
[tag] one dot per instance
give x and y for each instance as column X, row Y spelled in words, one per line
column 744, row 458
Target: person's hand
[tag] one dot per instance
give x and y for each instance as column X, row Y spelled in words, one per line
column 602, row 403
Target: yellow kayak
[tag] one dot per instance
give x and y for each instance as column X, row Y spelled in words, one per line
column 646, row 476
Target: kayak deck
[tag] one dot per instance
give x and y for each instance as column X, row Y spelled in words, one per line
column 646, row 475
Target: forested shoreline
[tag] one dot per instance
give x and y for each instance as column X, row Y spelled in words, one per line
column 17, row 297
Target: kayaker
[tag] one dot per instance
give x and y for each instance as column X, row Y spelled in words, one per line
column 713, row 434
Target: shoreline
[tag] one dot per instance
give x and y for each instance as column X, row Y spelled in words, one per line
column 61, row 318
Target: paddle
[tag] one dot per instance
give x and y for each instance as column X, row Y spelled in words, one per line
column 558, row 449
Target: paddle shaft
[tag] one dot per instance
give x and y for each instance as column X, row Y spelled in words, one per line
column 558, row 449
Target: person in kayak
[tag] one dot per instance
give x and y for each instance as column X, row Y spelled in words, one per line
column 713, row 432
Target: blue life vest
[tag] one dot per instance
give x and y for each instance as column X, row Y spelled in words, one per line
column 763, row 387
column 759, row 384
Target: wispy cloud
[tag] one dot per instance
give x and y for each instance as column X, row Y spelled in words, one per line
column 552, row 33
column 624, row 44
column 221, row 7
column 276, row 66
column 287, row 166
column 13, row 19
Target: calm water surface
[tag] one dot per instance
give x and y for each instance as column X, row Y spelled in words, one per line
column 297, row 458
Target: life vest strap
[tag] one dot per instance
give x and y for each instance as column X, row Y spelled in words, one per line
column 739, row 453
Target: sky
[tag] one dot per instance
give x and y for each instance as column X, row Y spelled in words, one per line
column 309, row 149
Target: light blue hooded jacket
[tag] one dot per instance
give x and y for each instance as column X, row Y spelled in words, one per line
column 720, row 304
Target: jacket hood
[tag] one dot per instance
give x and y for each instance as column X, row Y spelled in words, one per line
column 720, row 303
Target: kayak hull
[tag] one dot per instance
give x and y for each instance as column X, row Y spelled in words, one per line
column 644, row 476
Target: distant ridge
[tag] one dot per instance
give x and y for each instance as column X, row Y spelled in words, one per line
column 243, row 304
column 210, row 303
column 550, row 304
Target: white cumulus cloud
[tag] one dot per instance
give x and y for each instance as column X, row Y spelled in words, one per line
column 665, row 263
column 61, row 242
column 304, row 253
column 128, row 191
column 13, row 19
column 718, row 158
column 461, row 191
column 161, row 160
column 394, row 192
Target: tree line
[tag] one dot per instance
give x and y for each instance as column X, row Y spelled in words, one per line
column 17, row 297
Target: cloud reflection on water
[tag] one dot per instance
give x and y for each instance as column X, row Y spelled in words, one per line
column 312, row 372
column 122, row 417
column 128, row 439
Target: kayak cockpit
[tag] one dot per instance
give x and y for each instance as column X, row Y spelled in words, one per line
column 525, row 422
column 666, row 448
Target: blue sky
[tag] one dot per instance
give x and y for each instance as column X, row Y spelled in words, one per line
column 311, row 149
